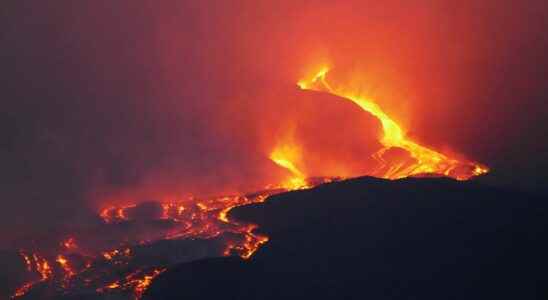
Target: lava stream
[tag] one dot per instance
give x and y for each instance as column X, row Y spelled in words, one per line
column 428, row 161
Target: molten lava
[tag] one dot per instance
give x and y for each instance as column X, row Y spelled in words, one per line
column 203, row 219
column 427, row 161
column 34, row 263
column 286, row 156
column 137, row 281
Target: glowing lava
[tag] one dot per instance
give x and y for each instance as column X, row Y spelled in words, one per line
column 34, row 263
column 137, row 281
column 64, row 263
column 205, row 218
column 285, row 156
column 427, row 161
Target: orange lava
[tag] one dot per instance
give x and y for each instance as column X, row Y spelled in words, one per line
column 34, row 263
column 287, row 155
column 141, row 284
column 137, row 281
column 207, row 218
column 427, row 161
column 64, row 263
column 69, row 244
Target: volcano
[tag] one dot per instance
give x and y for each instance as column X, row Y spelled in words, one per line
column 273, row 150
column 327, row 136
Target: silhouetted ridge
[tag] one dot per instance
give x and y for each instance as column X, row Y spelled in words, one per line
column 369, row 238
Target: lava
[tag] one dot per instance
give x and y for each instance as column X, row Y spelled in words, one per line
column 204, row 219
column 114, row 213
column 34, row 263
column 70, row 244
column 22, row 290
column 427, row 161
column 286, row 156
column 141, row 284
column 137, row 281
column 64, row 263
column 116, row 253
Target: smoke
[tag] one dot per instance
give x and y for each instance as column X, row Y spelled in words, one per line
column 114, row 102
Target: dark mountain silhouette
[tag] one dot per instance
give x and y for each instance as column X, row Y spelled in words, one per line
column 367, row 238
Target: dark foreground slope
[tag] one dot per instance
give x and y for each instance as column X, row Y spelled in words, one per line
column 374, row 239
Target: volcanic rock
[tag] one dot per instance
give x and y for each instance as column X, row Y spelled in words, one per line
column 367, row 238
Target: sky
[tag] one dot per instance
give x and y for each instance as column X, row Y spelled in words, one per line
column 108, row 101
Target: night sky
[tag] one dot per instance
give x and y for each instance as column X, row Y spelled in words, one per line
column 106, row 99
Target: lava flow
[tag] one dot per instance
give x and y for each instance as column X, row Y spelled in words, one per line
column 286, row 156
column 426, row 161
column 34, row 263
column 127, row 264
column 125, row 270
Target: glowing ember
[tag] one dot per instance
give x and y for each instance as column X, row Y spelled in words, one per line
column 142, row 284
column 109, row 255
column 21, row 291
column 113, row 213
column 64, row 263
column 137, row 281
column 27, row 259
column 70, row 244
column 42, row 267
column 427, row 160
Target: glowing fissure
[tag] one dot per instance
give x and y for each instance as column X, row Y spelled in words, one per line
column 428, row 161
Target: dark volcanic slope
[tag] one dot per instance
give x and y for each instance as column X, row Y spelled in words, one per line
column 375, row 239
